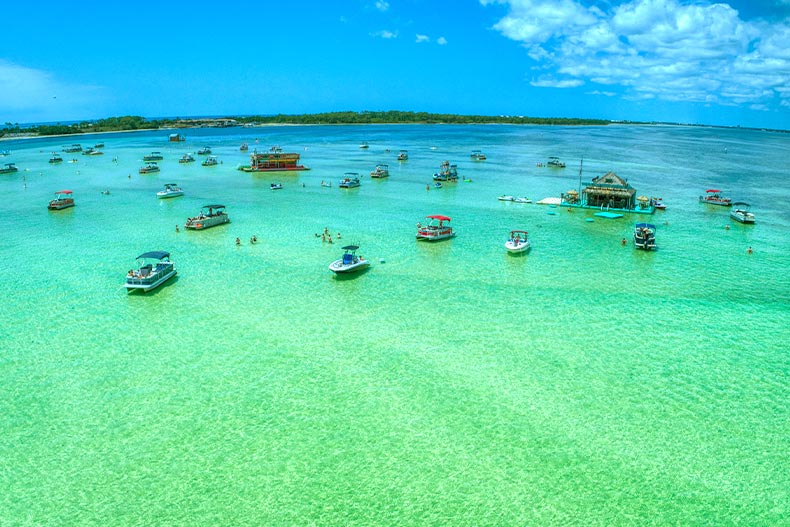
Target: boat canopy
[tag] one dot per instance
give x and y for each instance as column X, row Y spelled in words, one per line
column 439, row 217
column 63, row 192
column 647, row 225
column 213, row 206
column 350, row 247
column 712, row 190
column 154, row 254
column 512, row 233
column 741, row 203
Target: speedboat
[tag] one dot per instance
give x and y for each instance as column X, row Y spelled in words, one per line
column 350, row 262
column 350, row 180
column 187, row 158
column 171, row 190
column 150, row 275
column 210, row 161
column 713, row 197
column 363, row 145
column 381, row 171
column 477, row 155
column 740, row 212
column 645, row 236
column 518, row 242
column 276, row 186
column 244, row 147
column 436, row 229
column 506, row 198
column 91, row 151
column 210, row 216
column 522, row 200
column 403, row 155
column 204, row 151
column 658, row 203
column 153, row 156
column 56, row 158
column 149, row 168
column 63, row 200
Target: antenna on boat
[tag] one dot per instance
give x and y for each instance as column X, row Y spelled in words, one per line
column 581, row 162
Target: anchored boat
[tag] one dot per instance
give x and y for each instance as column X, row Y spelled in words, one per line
column 436, row 229
column 645, row 236
column 171, row 190
column 350, row 262
column 150, row 274
column 713, row 197
column 63, row 200
column 518, row 242
column 210, row 216
column 740, row 212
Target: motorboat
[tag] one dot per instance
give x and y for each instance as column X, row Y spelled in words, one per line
column 149, row 168
column 55, row 158
column 403, row 155
column 436, row 229
column 740, row 212
column 522, row 200
column 73, row 148
column 506, row 198
column 91, row 151
column 171, row 190
column 187, row 158
column 447, row 172
column 364, row 145
column 210, row 161
column 477, row 155
column 63, row 200
column 9, row 168
column 244, row 147
column 645, row 236
column 658, row 203
column 276, row 186
column 713, row 197
column 98, row 145
column 204, row 151
column 155, row 268
column 350, row 180
column 153, row 156
column 518, row 242
column 350, row 262
column 554, row 162
column 381, row 171
column 210, row 216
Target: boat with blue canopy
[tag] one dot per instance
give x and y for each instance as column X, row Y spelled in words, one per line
column 155, row 268
column 645, row 236
column 350, row 262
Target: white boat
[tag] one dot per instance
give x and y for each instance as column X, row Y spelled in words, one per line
column 171, row 190
column 555, row 162
column 740, row 212
column 403, row 155
column 506, row 198
column 645, row 236
column 63, row 200
column 436, row 229
column 350, row 180
column 381, row 171
column 477, row 155
column 150, row 275
column 186, row 158
column 364, row 145
column 522, row 200
column 350, row 262
column 204, row 151
column 210, row 161
column 210, row 216
column 518, row 242
column 276, row 186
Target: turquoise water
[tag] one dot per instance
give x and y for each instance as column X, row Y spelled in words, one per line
column 452, row 384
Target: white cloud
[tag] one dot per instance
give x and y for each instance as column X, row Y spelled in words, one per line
column 422, row 38
column 547, row 82
column 382, row 5
column 668, row 49
column 35, row 95
column 385, row 34
column 441, row 41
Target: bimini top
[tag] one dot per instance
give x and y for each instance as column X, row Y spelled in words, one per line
column 518, row 232
column 439, row 217
column 350, row 247
column 155, row 254
column 643, row 225
column 63, row 192
column 741, row 203
column 712, row 190
column 213, row 206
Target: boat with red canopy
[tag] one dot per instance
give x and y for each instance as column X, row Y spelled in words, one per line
column 436, row 229
column 713, row 197
column 63, row 200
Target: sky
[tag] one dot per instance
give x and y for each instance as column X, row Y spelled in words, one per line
column 686, row 61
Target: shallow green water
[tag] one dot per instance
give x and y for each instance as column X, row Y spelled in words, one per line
column 452, row 384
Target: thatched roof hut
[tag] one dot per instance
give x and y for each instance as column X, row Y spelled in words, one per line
column 609, row 190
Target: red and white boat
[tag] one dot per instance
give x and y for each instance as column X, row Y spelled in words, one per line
column 713, row 197
column 63, row 200
column 436, row 229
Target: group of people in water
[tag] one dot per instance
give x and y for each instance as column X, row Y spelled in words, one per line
column 253, row 240
column 326, row 236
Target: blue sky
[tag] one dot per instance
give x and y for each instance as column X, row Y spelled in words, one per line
column 685, row 61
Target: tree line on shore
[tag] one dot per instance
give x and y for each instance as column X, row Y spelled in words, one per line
column 134, row 122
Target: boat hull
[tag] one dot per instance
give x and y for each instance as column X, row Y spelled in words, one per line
column 514, row 248
column 199, row 224
column 60, row 204
column 435, row 236
column 339, row 267
column 166, row 195
column 145, row 284
column 742, row 217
